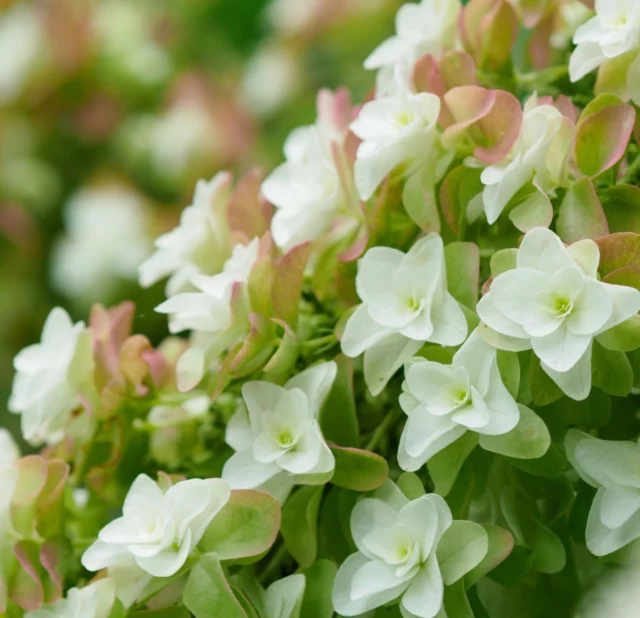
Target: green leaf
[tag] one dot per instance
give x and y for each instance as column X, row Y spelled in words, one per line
column 617, row 251
column 461, row 548
column 528, row 439
column 625, row 337
column 459, row 187
column 207, row 593
column 502, row 261
column 621, row 205
column 611, row 371
column 517, row 564
column 463, row 271
column 246, row 526
column 168, row 612
column 334, row 530
column 287, row 283
column 629, row 276
column 338, row 418
column 285, row 357
column 456, row 603
column 548, row 552
column 509, row 367
column 317, row 594
column 581, row 215
column 444, row 466
column 552, row 463
column 500, row 546
column 300, row 524
column 410, row 485
column 419, row 201
column 358, row 469
column 544, row 390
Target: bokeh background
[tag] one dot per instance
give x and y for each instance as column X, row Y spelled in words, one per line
column 111, row 110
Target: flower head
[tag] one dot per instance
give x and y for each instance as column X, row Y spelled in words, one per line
column 93, row 601
column 445, row 401
column 405, row 303
column 553, row 302
column 158, row 530
column 49, row 377
column 277, row 438
column 401, row 544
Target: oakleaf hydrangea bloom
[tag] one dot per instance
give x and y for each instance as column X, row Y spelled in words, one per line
column 405, row 552
column 305, row 189
column 445, row 401
column 405, row 303
column 399, row 134
column 211, row 313
column 540, row 155
column 199, row 245
column 610, row 40
column 613, row 468
column 425, row 28
column 158, row 530
column 277, row 439
column 93, row 601
column 553, row 302
column 50, row 377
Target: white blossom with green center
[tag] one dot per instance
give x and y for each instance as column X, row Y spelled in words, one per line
column 93, row 601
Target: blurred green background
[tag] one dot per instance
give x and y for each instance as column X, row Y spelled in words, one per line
column 110, row 110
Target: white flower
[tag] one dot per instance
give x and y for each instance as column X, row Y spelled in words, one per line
column 306, row 188
column 105, row 241
column 614, row 31
column 9, row 450
column 445, row 401
column 572, row 15
column 209, row 313
column 426, row 28
column 277, row 438
column 552, row 302
column 199, row 245
column 614, row 469
column 21, row 42
column 404, row 551
column 93, row 601
column 404, row 304
column 50, row 376
column 539, row 155
column 168, row 415
column 397, row 132
column 158, row 530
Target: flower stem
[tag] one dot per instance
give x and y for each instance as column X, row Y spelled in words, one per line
column 274, row 563
column 389, row 420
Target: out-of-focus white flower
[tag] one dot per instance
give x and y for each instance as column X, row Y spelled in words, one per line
column 540, row 155
column 614, row 469
column 167, row 415
column 402, row 545
column 283, row 598
column 306, row 188
column 105, row 241
column 158, row 530
column 277, row 439
column 21, row 41
column 444, row 401
column 573, row 14
column 49, row 377
column 9, row 450
column 611, row 38
column 93, row 601
column 553, row 302
column 292, row 16
column 209, row 313
column 426, row 28
column 405, row 303
column 271, row 79
column 399, row 133
column 200, row 244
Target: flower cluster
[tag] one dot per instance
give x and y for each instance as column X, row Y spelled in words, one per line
column 410, row 354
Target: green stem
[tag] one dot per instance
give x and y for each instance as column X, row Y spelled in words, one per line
column 632, row 171
column 274, row 563
column 389, row 420
column 313, row 344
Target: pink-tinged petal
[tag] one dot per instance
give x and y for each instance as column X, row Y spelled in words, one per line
column 426, row 78
column 27, row 590
column 467, row 105
column 457, row 68
column 566, row 107
column 612, row 75
column 247, row 211
column 499, row 129
column 532, row 11
column 335, row 109
column 540, row 48
column 357, row 248
column 52, row 555
column 287, row 282
column 617, row 251
column 603, row 133
column 581, row 215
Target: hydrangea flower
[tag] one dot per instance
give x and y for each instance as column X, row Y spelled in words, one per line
column 445, row 401
column 405, row 303
column 158, row 530
column 610, row 40
column 398, row 133
column 429, row 27
column 209, row 312
column 93, row 601
column 613, row 468
column 199, row 245
column 553, row 302
column 402, row 546
column 540, row 155
column 277, row 438
column 50, row 376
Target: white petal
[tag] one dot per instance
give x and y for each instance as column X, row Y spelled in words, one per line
column 388, row 52
column 536, row 244
column 475, row 415
column 575, row 383
column 503, row 409
column 167, row 562
column 304, row 457
column 602, row 540
column 315, row 382
column 584, row 59
column 242, row 471
column 384, row 358
column 626, row 303
column 494, row 318
column 426, row 379
column 478, row 358
column 261, row 396
column 100, row 555
column 367, row 516
column 361, row 332
column 238, row 434
column 619, row 504
column 376, row 270
column 610, row 462
column 426, row 519
column 449, row 324
column 571, row 441
column 561, row 350
column 515, row 293
column 425, row 595
column 591, row 310
column 586, row 254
